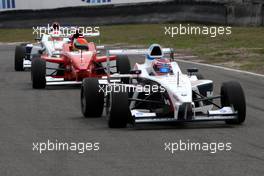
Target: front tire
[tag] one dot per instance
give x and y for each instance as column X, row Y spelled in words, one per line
column 20, row 53
column 92, row 98
column 38, row 73
column 232, row 95
column 119, row 113
column 123, row 67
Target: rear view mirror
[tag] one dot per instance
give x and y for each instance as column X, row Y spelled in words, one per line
column 38, row 39
column 41, row 51
column 192, row 70
column 135, row 72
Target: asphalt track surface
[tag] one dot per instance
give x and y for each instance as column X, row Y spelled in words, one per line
column 28, row 116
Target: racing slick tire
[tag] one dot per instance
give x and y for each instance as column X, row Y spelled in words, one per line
column 38, row 73
column 233, row 95
column 92, row 98
column 123, row 66
column 119, row 112
column 20, row 53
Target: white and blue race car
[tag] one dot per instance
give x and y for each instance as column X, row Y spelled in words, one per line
column 50, row 44
column 157, row 91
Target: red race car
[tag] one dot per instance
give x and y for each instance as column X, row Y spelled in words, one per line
column 77, row 60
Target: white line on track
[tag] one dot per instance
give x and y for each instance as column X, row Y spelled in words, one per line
column 12, row 43
column 180, row 60
column 220, row 67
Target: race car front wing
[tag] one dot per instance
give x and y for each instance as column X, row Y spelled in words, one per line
column 225, row 113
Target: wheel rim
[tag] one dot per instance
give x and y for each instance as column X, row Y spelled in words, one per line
column 108, row 105
column 83, row 101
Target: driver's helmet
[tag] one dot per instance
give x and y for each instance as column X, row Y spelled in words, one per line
column 55, row 30
column 55, row 26
column 80, row 43
column 77, row 34
column 161, row 66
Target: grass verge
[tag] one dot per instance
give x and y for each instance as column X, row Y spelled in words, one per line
column 243, row 49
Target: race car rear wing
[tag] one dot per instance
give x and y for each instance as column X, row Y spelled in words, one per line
column 154, row 51
column 97, row 34
column 100, row 47
column 142, row 51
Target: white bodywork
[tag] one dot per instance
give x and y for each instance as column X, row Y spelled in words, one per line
column 47, row 45
column 52, row 47
column 179, row 87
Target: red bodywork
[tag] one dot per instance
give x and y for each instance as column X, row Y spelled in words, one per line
column 79, row 64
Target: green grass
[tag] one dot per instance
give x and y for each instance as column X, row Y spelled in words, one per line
column 16, row 35
column 243, row 49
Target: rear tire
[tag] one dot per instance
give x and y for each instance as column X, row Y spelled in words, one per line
column 119, row 113
column 92, row 98
column 20, row 53
column 232, row 95
column 123, row 67
column 38, row 73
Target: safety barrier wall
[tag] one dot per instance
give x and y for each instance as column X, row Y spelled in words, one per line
column 52, row 4
column 158, row 12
